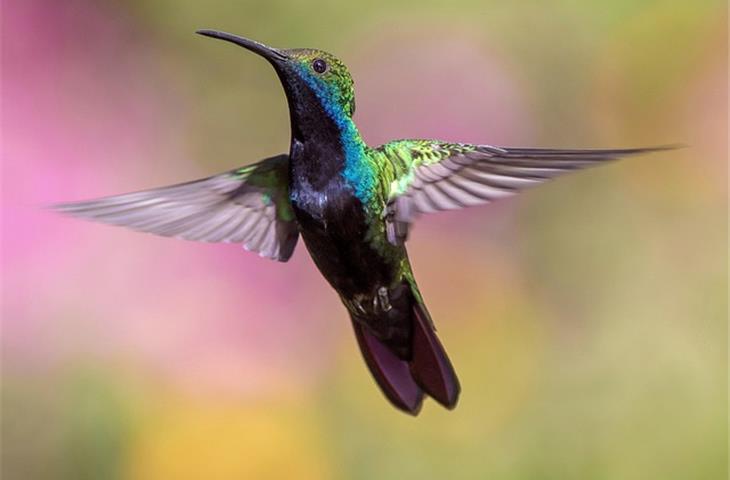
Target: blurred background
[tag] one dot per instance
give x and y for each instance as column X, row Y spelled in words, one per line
column 586, row 318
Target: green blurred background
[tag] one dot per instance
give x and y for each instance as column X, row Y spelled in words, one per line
column 586, row 318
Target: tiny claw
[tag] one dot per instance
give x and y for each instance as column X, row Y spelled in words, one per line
column 384, row 300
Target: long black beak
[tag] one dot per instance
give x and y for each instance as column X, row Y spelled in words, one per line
column 271, row 54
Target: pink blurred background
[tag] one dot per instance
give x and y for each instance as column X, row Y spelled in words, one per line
column 587, row 318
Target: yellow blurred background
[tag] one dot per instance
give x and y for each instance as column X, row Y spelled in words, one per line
column 586, row 318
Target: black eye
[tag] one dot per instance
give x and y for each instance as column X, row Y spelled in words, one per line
column 319, row 65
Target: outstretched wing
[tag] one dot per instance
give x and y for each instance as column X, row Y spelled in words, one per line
column 249, row 205
column 427, row 176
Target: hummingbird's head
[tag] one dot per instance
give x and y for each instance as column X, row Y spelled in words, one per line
column 325, row 74
column 309, row 76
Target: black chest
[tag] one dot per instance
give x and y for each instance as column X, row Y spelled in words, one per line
column 333, row 222
column 316, row 185
column 330, row 216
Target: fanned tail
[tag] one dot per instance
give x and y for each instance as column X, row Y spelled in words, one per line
column 405, row 381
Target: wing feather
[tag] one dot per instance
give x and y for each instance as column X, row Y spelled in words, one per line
column 249, row 205
column 427, row 176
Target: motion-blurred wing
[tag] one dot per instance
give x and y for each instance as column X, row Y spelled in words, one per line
column 428, row 176
column 249, row 205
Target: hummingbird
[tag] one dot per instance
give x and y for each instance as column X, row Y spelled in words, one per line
column 353, row 205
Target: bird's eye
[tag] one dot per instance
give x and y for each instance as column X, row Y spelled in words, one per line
column 319, row 65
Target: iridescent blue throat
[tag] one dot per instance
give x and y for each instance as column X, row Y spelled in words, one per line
column 358, row 173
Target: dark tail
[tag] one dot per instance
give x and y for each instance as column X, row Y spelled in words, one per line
column 404, row 382
column 430, row 366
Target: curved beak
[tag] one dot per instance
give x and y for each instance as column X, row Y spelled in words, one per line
column 271, row 54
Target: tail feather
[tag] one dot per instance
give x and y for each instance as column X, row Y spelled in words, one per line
column 390, row 372
column 430, row 366
column 404, row 381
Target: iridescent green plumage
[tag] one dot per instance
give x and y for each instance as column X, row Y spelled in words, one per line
column 397, row 161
